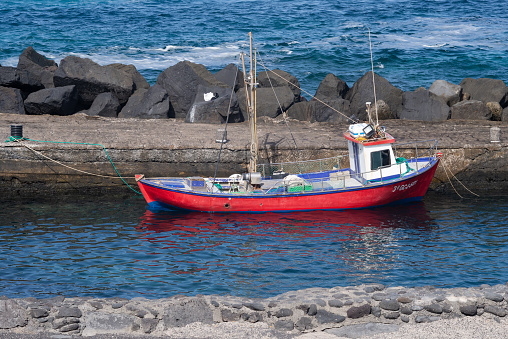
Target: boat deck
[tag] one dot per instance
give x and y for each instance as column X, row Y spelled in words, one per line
column 298, row 183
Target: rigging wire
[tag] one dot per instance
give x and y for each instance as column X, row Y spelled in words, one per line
column 373, row 80
column 227, row 116
column 284, row 115
column 313, row 97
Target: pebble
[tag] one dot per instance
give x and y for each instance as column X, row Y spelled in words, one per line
column 434, row 308
column 390, row 305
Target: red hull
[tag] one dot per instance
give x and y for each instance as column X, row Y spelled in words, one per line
column 411, row 188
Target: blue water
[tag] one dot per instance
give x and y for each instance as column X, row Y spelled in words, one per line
column 121, row 249
column 414, row 42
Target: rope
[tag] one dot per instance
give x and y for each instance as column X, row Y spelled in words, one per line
column 401, row 160
column 19, row 140
column 451, row 173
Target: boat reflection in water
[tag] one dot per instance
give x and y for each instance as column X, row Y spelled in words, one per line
column 262, row 254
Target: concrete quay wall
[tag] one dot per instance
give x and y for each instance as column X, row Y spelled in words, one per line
column 174, row 148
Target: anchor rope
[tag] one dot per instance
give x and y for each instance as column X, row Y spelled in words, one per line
column 20, row 141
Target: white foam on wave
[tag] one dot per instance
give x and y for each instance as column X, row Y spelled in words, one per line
column 441, row 32
column 162, row 58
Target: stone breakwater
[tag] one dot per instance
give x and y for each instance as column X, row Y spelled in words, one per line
column 341, row 311
column 190, row 92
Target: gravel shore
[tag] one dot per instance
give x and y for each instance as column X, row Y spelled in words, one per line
column 364, row 311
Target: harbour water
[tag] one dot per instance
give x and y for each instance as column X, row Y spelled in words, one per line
column 118, row 248
column 414, row 42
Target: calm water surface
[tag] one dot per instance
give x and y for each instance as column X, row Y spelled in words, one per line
column 111, row 248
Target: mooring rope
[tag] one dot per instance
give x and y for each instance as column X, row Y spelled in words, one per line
column 451, row 173
column 19, row 140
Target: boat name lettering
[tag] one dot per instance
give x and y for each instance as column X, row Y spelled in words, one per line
column 404, row 187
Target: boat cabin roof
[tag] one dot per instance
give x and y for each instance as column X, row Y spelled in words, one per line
column 388, row 139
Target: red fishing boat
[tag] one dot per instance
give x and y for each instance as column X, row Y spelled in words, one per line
column 376, row 176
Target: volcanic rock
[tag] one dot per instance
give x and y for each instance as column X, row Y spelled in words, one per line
column 91, row 79
column 105, row 105
column 267, row 103
column 486, row 90
column 279, row 78
column 54, row 101
column 362, row 92
column 11, row 101
column 19, row 78
column 213, row 104
column 447, row 91
column 331, row 88
column 38, row 67
column 424, row 106
column 138, row 80
column 152, row 103
column 470, row 110
column 315, row 111
column 181, row 82
column 231, row 76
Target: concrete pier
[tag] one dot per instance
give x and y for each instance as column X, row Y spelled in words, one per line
column 174, row 148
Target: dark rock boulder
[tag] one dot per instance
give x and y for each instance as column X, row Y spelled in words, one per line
column 55, row 101
column 471, row 110
column 449, row 92
column 11, row 101
column 279, row 78
column 504, row 117
column 330, row 111
column 213, row 104
column 181, row 82
column 424, row 106
column 21, row 79
column 267, row 103
column 105, row 105
column 362, row 92
column 331, row 88
column 38, row 66
column 137, row 78
column 231, row 76
column 92, row 79
column 486, row 90
column 315, row 111
column 152, row 103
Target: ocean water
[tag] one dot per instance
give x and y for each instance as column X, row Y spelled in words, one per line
column 118, row 248
column 414, row 42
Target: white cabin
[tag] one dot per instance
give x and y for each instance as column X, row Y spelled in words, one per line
column 371, row 159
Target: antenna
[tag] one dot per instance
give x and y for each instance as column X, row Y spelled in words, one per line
column 373, row 82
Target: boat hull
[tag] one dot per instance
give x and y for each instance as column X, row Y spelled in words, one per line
column 411, row 188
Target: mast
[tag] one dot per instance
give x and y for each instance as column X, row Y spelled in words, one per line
column 251, row 101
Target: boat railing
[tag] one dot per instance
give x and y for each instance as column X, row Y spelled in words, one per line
column 300, row 167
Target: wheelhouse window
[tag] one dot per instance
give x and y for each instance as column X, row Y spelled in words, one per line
column 379, row 159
